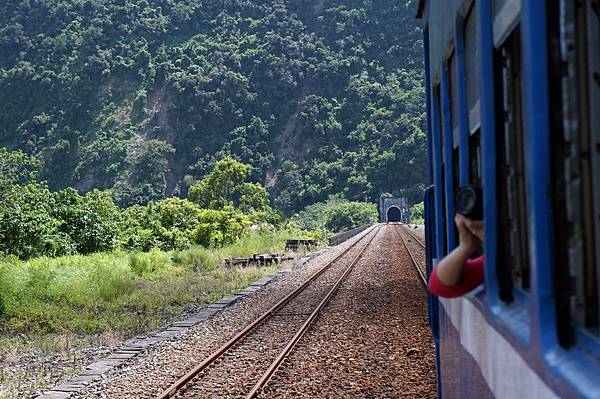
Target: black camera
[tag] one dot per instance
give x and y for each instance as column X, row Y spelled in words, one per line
column 469, row 202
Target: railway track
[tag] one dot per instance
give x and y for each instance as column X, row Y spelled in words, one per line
column 420, row 270
column 242, row 366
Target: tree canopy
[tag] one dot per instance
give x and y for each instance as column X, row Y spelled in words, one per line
column 145, row 96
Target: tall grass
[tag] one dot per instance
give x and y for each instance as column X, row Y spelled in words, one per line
column 120, row 292
column 251, row 243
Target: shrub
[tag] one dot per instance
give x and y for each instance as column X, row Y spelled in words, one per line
column 220, row 227
column 417, row 213
column 337, row 214
column 167, row 224
column 27, row 228
column 217, row 189
column 92, row 222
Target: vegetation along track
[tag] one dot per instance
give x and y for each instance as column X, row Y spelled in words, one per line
column 415, row 248
column 245, row 363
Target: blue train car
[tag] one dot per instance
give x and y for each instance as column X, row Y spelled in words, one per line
column 513, row 98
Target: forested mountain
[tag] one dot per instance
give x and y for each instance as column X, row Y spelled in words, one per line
column 144, row 96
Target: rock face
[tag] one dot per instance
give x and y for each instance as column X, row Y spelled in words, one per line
column 145, row 97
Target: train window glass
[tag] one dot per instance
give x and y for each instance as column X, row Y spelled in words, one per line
column 593, row 81
column 562, row 278
column 576, row 155
column 475, row 164
column 513, row 264
column 455, row 185
column 593, row 51
column 472, row 68
column 506, row 17
column 437, row 98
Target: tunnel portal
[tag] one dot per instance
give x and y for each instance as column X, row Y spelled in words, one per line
column 394, row 214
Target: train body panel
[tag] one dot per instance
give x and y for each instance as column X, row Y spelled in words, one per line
column 513, row 102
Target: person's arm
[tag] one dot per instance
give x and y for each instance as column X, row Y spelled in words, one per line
column 471, row 277
column 450, row 268
column 456, row 274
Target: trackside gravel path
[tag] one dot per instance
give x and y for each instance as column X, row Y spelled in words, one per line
column 371, row 341
column 161, row 365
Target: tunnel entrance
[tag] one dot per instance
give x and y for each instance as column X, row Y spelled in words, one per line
column 394, row 214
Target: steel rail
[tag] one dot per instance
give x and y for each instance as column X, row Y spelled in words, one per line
column 296, row 338
column 414, row 261
column 183, row 381
column 413, row 236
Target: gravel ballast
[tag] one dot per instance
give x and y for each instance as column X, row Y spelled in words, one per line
column 371, row 341
column 160, row 365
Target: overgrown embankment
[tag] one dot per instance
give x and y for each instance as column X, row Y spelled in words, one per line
column 119, row 292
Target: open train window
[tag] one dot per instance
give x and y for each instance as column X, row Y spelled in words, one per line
column 442, row 135
column 513, row 259
column 575, row 92
column 475, row 162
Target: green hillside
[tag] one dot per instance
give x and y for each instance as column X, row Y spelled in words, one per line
column 144, row 96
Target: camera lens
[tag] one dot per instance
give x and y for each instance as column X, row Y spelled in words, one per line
column 468, row 202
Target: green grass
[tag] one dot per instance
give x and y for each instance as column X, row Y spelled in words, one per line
column 251, row 243
column 120, row 293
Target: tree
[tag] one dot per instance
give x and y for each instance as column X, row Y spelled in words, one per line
column 217, row 189
column 145, row 180
column 92, row 222
column 218, row 227
column 253, row 197
column 16, row 167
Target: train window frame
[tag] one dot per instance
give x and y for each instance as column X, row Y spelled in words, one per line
column 576, row 162
column 448, row 132
column 594, row 76
column 515, row 317
column 439, row 170
column 578, row 365
column 468, row 27
column 512, row 267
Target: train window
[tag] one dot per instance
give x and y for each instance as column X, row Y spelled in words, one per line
column 475, row 165
column 576, row 153
column 506, row 17
column 513, row 259
column 439, row 132
column 473, row 69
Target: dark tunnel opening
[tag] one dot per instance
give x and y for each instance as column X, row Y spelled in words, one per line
column 394, row 215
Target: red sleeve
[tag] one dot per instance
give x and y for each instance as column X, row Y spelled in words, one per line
column 472, row 276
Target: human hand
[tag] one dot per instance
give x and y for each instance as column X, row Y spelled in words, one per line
column 468, row 239
column 475, row 227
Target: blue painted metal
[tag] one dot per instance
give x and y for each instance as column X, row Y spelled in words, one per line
column 430, row 249
column 433, row 302
column 515, row 317
column 488, row 138
column 437, row 160
column 576, row 366
column 448, row 149
column 529, row 324
column 428, row 104
column 463, row 107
